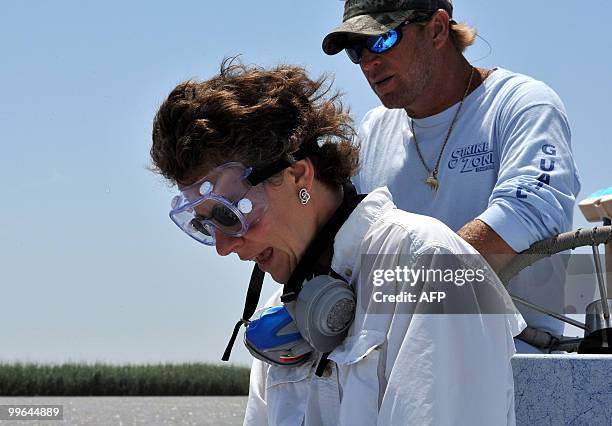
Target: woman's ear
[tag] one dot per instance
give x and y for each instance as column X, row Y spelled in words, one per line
column 302, row 173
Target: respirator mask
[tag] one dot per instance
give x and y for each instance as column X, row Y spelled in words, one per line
column 317, row 321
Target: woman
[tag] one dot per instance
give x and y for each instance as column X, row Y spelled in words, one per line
column 263, row 160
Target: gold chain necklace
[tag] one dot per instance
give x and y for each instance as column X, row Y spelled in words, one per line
column 432, row 178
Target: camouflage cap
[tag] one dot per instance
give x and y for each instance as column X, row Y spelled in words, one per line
column 371, row 17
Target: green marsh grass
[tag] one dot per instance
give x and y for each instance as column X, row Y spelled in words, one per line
column 17, row 379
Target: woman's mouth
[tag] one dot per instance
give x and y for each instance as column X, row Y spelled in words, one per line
column 264, row 258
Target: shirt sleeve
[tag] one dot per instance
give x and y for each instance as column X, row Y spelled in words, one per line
column 537, row 184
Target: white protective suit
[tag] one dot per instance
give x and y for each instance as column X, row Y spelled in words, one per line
column 396, row 368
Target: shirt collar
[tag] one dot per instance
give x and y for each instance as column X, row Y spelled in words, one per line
column 348, row 240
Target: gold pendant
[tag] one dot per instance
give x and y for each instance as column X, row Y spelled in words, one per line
column 432, row 182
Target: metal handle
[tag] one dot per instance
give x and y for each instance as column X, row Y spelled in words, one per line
column 556, row 244
column 600, row 281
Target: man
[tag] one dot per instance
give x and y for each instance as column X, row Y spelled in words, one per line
column 487, row 151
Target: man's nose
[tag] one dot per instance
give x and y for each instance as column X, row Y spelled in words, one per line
column 226, row 244
column 369, row 60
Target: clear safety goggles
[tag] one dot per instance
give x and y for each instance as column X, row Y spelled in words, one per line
column 229, row 199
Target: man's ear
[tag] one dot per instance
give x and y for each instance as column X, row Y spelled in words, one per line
column 440, row 27
column 302, row 173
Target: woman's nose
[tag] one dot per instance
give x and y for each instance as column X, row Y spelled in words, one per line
column 226, row 244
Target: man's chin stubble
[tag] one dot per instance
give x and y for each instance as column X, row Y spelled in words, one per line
column 393, row 102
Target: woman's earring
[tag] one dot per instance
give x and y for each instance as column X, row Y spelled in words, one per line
column 304, row 196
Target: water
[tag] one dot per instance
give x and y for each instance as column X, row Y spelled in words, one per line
column 189, row 410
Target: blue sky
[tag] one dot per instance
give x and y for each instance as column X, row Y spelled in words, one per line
column 91, row 268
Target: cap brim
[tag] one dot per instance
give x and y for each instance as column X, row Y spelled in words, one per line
column 364, row 25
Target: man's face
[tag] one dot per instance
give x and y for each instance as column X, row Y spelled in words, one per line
column 400, row 76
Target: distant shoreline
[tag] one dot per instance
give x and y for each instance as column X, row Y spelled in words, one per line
column 75, row 379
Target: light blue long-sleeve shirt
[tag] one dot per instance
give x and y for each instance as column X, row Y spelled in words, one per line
column 508, row 162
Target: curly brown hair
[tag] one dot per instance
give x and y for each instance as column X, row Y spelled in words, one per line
column 255, row 116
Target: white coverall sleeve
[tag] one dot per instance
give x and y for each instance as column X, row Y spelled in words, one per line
column 257, row 410
column 449, row 369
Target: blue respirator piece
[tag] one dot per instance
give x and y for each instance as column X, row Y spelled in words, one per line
column 275, row 338
column 316, row 322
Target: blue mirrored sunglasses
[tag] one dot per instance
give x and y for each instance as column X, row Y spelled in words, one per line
column 381, row 43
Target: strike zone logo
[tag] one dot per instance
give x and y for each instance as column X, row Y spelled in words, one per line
column 472, row 158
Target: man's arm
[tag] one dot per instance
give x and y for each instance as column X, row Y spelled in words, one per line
column 488, row 243
column 537, row 182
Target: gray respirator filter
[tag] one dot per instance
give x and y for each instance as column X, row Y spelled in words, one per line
column 324, row 311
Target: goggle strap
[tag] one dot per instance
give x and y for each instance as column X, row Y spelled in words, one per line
column 250, row 305
column 257, row 176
